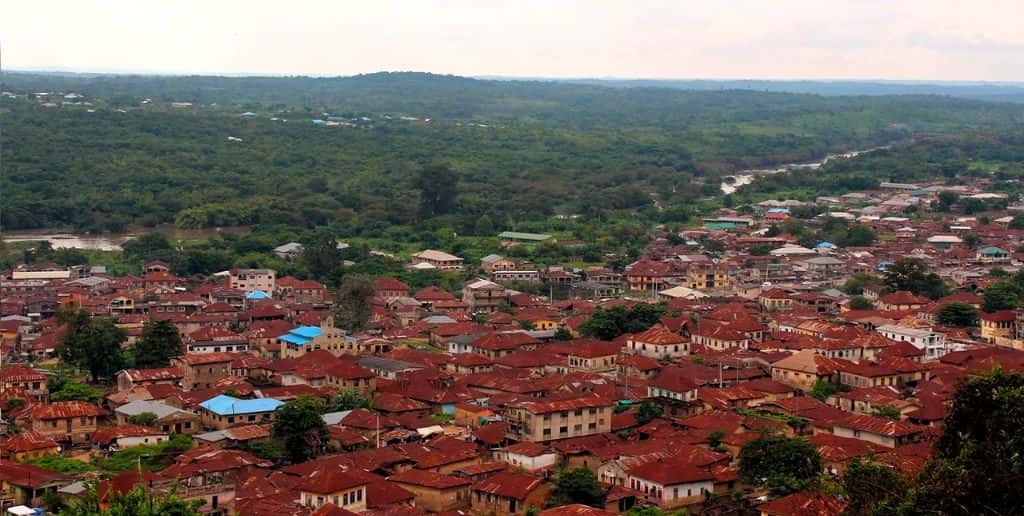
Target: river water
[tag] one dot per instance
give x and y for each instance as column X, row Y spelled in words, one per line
column 112, row 241
column 745, row 177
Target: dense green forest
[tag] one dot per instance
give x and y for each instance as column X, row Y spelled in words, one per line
column 953, row 158
column 507, row 154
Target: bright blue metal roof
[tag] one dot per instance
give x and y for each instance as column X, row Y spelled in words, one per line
column 301, row 335
column 257, row 294
column 825, row 245
column 224, row 405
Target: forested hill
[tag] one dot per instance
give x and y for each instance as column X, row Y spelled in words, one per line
column 93, row 153
column 554, row 104
column 1004, row 92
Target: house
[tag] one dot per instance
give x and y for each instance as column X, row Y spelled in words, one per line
column 435, row 492
column 886, row 432
column 114, row 438
column 508, row 493
column 493, row 263
column 992, row 255
column 672, row 482
column 214, row 339
column 804, row 503
column 305, row 339
column 529, row 456
column 289, row 251
column 997, row 325
column 515, row 237
column 226, row 411
column 28, row 445
column 673, row 383
column 707, row 276
column 72, row 421
column 25, row 379
column 932, row 343
column 252, row 280
column 168, row 419
column 775, row 299
column 541, row 421
column 342, row 489
column 866, row 374
column 484, row 296
column 902, row 300
column 646, row 275
column 436, row 260
column 22, row 484
column 294, row 290
column 658, row 343
column 128, row 378
column 390, row 288
column 202, row 370
column 803, row 369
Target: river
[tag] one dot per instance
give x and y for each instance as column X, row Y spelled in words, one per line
column 745, row 177
column 112, row 241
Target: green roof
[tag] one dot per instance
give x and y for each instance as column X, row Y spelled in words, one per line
column 719, row 225
column 993, row 250
column 514, row 235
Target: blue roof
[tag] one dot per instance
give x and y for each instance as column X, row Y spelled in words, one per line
column 318, row 121
column 779, row 210
column 825, row 245
column 301, row 335
column 257, row 294
column 248, row 113
column 224, row 405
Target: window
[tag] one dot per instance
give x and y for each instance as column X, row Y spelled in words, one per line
column 563, row 430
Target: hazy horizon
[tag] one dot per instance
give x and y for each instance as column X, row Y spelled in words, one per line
column 790, row 40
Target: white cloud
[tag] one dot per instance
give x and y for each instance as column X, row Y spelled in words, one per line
column 782, row 39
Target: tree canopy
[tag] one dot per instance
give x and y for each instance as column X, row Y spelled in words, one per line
column 300, row 426
column 781, row 463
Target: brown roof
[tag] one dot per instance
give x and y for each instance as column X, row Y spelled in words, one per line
column 804, row 503
column 672, row 471
column 66, row 409
column 509, row 485
column 419, row 477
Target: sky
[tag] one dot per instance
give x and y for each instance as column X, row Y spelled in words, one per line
column 962, row 40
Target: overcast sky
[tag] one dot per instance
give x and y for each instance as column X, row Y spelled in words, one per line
column 969, row 40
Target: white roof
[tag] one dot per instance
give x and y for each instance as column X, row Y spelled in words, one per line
column 438, row 256
column 789, row 250
column 423, row 266
column 482, row 283
column 682, row 292
column 944, row 239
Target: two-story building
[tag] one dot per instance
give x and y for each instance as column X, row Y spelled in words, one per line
column 541, row 421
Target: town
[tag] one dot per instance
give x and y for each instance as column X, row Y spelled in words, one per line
column 660, row 385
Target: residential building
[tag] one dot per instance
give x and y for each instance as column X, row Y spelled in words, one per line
column 508, row 493
column 932, row 343
column 251, row 280
column 69, row 421
column 541, row 421
column 484, row 296
column 226, row 411
column 436, row 260
column 435, row 492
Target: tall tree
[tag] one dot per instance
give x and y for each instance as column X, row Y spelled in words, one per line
column 783, row 464
column 92, row 343
column 321, row 255
column 576, row 486
column 872, row 488
column 438, row 186
column 348, row 399
column 352, row 302
column 159, row 343
column 1001, row 296
column 977, row 465
column 960, row 315
column 137, row 502
column 913, row 274
column 299, row 424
